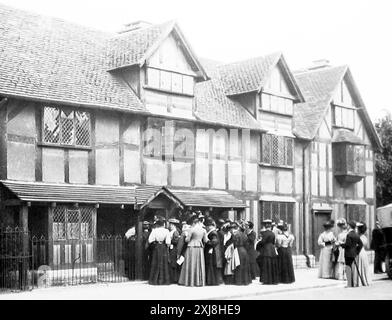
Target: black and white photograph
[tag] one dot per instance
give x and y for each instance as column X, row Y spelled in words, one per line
column 196, row 151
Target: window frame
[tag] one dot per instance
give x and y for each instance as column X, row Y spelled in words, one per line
column 344, row 122
column 61, row 144
column 271, row 162
column 170, row 87
column 272, row 102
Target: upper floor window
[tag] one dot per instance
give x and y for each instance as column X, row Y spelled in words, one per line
column 277, row 150
column 170, row 81
column 65, row 126
column 343, row 117
column 277, row 104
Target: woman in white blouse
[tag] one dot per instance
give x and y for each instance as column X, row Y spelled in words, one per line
column 160, row 239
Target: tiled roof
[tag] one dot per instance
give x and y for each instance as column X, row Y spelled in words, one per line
column 70, row 193
column 48, row 59
column 318, row 87
column 212, row 105
column 246, row 76
column 344, row 135
column 196, row 198
column 131, row 47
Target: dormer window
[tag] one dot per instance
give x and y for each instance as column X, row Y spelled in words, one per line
column 170, row 81
column 343, row 108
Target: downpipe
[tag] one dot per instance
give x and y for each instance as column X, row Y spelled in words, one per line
column 304, row 222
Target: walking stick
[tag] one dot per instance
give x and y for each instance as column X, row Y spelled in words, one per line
column 360, row 276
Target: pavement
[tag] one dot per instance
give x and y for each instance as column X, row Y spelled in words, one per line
column 140, row 290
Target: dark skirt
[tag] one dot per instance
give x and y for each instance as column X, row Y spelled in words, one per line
column 254, row 268
column 286, row 267
column 269, row 270
column 159, row 273
column 242, row 275
column 174, row 267
column 213, row 273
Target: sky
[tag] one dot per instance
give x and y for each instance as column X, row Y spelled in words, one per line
column 353, row 32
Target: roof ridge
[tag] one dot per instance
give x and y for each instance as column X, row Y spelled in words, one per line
column 118, row 35
column 307, row 71
column 276, row 53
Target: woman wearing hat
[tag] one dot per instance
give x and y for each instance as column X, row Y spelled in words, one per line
column 193, row 272
column 326, row 241
column 363, row 277
column 212, row 254
column 285, row 242
column 175, row 237
column 242, row 276
column 340, row 267
column 160, row 238
column 268, row 258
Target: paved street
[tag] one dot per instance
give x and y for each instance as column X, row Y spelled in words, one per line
column 305, row 287
column 379, row 290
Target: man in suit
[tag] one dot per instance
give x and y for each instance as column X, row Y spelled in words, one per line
column 376, row 245
column 352, row 247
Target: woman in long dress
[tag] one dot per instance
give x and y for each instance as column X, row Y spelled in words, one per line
column 173, row 250
column 228, row 249
column 285, row 242
column 340, row 267
column 242, row 275
column 326, row 241
column 252, row 253
column 268, row 258
column 362, row 260
column 160, row 240
column 193, row 273
column 212, row 255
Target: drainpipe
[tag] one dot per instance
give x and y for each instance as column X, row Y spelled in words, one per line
column 304, row 222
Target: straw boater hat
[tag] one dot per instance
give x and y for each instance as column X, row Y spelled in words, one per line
column 174, row 221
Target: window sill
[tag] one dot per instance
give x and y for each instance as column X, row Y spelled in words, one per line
column 276, row 113
column 168, row 91
column 341, row 127
column 276, row 166
column 61, row 146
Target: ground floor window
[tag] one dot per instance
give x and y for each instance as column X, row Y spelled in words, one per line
column 73, row 235
column 278, row 211
column 356, row 212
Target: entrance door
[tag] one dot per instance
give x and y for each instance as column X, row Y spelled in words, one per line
column 319, row 218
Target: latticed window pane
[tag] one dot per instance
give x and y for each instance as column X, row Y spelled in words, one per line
column 58, row 223
column 67, row 127
column 86, row 221
column 266, row 149
column 51, row 130
column 356, row 212
column 350, row 158
column 267, row 211
column 73, row 224
column 359, row 159
column 82, row 128
column 289, row 151
column 276, row 211
column 278, row 150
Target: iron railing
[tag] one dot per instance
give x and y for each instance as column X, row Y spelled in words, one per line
column 30, row 262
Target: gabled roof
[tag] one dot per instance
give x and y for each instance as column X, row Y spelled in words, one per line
column 252, row 75
column 212, row 105
column 135, row 47
column 198, row 198
column 47, row 59
column 319, row 87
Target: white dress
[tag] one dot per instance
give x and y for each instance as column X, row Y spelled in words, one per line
column 326, row 266
column 362, row 261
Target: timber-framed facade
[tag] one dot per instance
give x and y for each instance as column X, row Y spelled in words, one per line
column 81, row 110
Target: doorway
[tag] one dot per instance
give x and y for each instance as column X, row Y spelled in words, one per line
column 319, row 218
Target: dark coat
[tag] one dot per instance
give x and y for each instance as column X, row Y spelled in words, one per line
column 266, row 246
column 377, row 239
column 353, row 245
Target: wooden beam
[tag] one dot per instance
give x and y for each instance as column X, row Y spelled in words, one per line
column 38, row 149
column 12, row 202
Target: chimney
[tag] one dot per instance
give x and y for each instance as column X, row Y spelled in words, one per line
column 319, row 64
column 136, row 25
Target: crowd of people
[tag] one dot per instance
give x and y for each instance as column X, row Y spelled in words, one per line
column 200, row 251
column 343, row 257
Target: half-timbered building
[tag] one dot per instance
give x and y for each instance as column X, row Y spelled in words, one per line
column 101, row 131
